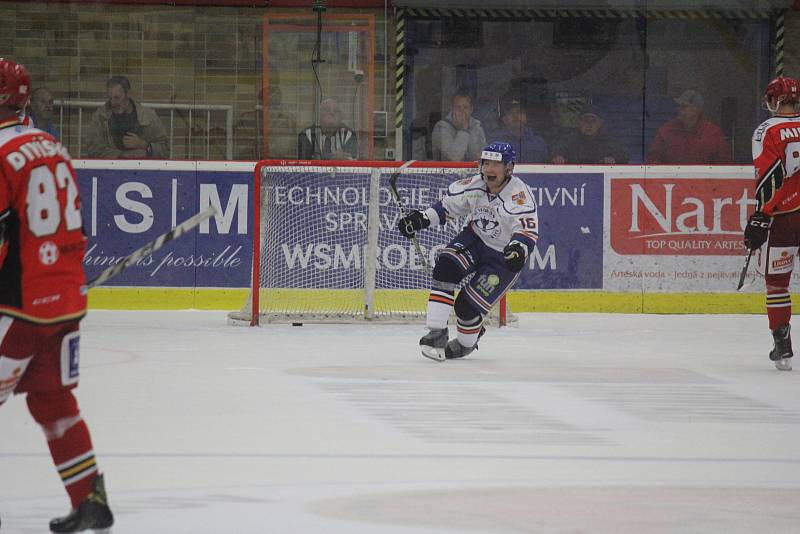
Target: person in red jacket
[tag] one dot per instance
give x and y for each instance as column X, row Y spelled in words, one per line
column 43, row 296
column 774, row 228
column 690, row 138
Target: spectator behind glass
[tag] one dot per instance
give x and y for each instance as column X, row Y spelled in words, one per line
column 587, row 144
column 689, row 138
column 124, row 129
column 332, row 140
column 459, row 136
column 531, row 147
column 40, row 111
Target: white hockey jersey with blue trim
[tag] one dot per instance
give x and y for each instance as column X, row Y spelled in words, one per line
column 496, row 219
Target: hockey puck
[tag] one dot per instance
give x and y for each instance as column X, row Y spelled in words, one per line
column 297, row 324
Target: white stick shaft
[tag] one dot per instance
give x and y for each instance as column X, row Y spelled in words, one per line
column 151, row 247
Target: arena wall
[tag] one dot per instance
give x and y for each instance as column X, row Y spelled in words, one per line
column 650, row 239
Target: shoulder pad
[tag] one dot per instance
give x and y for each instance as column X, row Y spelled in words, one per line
column 471, row 183
column 758, row 134
column 517, row 197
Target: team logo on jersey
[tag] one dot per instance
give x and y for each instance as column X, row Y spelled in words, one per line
column 487, row 283
column 48, row 253
column 485, row 221
column 519, row 198
column 465, row 181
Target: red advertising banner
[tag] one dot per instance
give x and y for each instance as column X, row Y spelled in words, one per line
column 680, row 216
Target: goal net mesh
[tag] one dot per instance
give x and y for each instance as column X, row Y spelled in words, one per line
column 329, row 246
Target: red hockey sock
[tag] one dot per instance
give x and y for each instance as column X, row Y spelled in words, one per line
column 779, row 307
column 74, row 458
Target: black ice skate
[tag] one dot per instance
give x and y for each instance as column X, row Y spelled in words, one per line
column 455, row 349
column 433, row 344
column 93, row 513
column 782, row 353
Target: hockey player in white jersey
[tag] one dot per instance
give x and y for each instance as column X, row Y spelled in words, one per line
column 501, row 231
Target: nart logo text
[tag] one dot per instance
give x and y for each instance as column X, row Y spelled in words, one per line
column 680, row 216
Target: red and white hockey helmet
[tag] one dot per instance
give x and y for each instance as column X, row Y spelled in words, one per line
column 15, row 85
column 783, row 89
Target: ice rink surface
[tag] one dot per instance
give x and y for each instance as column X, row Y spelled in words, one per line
column 567, row 424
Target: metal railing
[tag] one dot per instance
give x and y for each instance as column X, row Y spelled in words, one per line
column 191, row 108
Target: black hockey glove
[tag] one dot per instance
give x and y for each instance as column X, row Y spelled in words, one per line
column 757, row 230
column 416, row 220
column 515, row 255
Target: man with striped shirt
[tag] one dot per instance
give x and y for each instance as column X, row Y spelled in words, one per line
column 331, row 140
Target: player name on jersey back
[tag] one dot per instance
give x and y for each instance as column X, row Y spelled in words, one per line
column 790, row 133
column 776, row 157
column 30, row 148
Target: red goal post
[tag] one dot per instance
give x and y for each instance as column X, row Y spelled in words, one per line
column 326, row 246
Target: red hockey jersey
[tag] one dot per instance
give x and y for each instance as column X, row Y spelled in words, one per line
column 42, row 242
column 776, row 156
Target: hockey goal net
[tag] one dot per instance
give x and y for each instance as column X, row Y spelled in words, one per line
column 326, row 244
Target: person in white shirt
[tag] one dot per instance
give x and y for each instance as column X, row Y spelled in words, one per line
column 459, row 136
column 501, row 232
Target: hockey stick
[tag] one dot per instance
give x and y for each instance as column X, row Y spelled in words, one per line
column 743, row 274
column 772, row 179
column 403, row 212
column 151, row 247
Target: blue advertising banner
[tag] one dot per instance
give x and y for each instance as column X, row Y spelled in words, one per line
column 319, row 228
column 569, row 253
column 318, row 236
column 124, row 209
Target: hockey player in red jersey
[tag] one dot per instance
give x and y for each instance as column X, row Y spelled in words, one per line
column 43, row 297
column 774, row 228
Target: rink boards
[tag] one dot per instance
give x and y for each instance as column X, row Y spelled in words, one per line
column 613, row 238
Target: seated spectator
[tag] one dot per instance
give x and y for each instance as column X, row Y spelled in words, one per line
column 689, row 138
column 40, row 111
column 332, row 140
column 587, row 144
column 531, row 147
column 459, row 136
column 124, row 129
